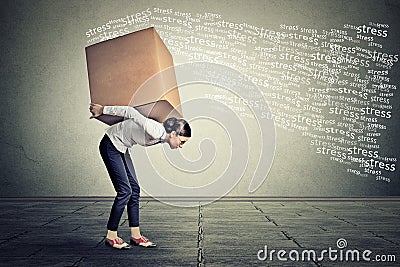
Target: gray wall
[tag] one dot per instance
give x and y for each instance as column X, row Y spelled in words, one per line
column 49, row 147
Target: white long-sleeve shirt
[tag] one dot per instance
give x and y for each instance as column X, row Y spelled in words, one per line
column 135, row 129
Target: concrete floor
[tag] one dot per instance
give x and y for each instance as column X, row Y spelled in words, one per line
column 224, row 233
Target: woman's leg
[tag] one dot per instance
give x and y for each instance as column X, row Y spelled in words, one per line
column 133, row 206
column 133, row 203
column 114, row 161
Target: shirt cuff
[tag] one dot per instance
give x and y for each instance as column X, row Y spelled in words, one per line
column 107, row 110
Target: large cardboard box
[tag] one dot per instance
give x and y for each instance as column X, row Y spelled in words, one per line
column 119, row 73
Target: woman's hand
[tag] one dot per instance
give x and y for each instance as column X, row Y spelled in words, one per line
column 96, row 110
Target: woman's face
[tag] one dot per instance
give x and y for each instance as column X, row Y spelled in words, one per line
column 177, row 141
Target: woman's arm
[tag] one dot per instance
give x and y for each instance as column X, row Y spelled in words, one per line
column 122, row 111
column 153, row 128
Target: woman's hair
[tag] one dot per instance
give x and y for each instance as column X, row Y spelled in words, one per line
column 180, row 126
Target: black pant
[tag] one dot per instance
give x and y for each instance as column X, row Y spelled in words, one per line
column 123, row 177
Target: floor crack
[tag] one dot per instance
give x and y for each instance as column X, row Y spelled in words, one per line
column 101, row 241
column 200, row 238
column 35, row 252
column 13, row 237
column 292, row 239
column 144, row 205
column 269, row 219
column 76, row 228
column 53, row 220
column 79, row 261
column 335, row 216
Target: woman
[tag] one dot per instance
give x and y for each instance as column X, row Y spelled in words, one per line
column 136, row 129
